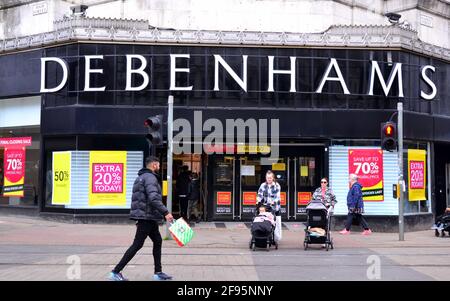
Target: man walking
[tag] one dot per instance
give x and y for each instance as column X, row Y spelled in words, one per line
column 355, row 206
column 147, row 209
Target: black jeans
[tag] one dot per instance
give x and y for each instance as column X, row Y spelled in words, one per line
column 144, row 228
column 184, row 204
column 351, row 217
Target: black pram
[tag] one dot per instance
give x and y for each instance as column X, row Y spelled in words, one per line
column 442, row 224
column 317, row 229
column 263, row 230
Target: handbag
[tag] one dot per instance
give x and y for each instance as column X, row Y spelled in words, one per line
column 181, row 232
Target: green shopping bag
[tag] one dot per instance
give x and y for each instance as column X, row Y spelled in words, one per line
column 181, row 232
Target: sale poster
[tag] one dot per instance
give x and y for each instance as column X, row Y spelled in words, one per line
column 416, row 174
column 249, row 198
column 283, row 202
column 61, row 182
column 14, row 171
column 107, row 181
column 367, row 164
column 303, row 198
column 223, row 202
column 283, row 198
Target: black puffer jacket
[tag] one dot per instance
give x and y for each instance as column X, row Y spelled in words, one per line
column 146, row 201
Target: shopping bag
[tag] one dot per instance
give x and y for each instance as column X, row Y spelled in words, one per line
column 181, row 232
column 278, row 228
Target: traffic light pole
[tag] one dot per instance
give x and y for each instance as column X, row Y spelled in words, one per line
column 401, row 182
column 169, row 158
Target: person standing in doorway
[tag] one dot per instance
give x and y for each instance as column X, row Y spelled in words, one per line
column 183, row 182
column 355, row 206
column 147, row 209
column 194, row 196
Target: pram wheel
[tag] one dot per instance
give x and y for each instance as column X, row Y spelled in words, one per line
column 436, row 233
column 305, row 245
column 327, row 246
column 251, row 244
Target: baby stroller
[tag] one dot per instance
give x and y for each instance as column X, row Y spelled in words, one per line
column 442, row 224
column 263, row 230
column 317, row 229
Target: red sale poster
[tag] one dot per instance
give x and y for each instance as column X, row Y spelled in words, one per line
column 14, row 171
column 249, row 198
column 367, row 164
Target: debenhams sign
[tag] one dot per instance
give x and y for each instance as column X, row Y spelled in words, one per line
column 375, row 74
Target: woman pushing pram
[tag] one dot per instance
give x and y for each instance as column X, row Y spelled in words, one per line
column 266, row 226
column 269, row 195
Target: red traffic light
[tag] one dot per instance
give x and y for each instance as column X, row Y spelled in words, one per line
column 389, row 130
column 153, row 122
column 389, row 136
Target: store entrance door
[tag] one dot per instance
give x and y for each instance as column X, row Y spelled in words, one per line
column 308, row 168
column 252, row 174
column 192, row 163
column 221, row 181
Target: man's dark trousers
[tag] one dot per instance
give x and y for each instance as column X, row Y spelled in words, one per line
column 144, row 229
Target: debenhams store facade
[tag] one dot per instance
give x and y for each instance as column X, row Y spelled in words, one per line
column 93, row 87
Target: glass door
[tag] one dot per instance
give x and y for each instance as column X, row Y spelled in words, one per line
column 222, row 187
column 307, row 179
column 251, row 173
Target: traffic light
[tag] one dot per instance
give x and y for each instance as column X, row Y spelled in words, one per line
column 155, row 131
column 389, row 136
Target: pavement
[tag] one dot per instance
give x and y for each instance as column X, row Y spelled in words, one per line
column 34, row 249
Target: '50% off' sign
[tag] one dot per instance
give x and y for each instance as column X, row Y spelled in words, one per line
column 107, row 178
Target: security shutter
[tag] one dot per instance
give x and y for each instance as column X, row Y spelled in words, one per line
column 338, row 157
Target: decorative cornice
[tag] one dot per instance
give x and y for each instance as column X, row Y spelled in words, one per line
column 120, row 30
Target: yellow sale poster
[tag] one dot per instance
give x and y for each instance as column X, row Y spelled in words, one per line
column 61, row 183
column 107, row 178
column 416, row 174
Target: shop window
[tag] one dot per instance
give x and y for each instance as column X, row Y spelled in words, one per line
column 416, row 174
column 32, row 155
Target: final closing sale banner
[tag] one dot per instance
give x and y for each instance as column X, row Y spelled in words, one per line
column 416, row 174
column 367, row 164
column 61, row 182
column 14, row 171
column 107, row 180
